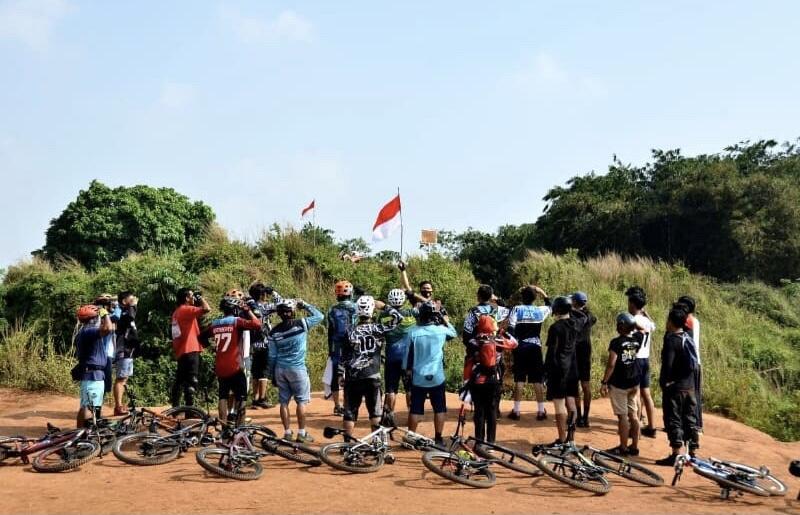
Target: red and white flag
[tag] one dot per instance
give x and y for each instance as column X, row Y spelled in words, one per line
column 388, row 220
column 308, row 208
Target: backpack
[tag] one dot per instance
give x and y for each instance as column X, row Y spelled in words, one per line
column 692, row 361
column 341, row 323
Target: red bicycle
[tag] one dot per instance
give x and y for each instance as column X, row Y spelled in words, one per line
column 56, row 451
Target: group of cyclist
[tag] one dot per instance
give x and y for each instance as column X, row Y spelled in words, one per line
column 374, row 346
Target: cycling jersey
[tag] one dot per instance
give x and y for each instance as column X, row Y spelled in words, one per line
column 91, row 353
column 341, row 318
column 397, row 338
column 227, row 334
column 525, row 323
column 262, row 311
column 361, row 354
column 425, row 354
column 185, row 330
column 288, row 341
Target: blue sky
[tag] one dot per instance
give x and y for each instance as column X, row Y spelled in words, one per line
column 474, row 109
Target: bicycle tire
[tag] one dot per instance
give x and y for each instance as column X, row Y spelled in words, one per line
column 205, row 459
column 129, row 449
column 628, row 469
column 597, row 484
column 430, row 460
column 518, row 461
column 770, row 483
column 68, row 456
column 330, row 452
column 184, row 412
column 293, row 451
column 722, row 479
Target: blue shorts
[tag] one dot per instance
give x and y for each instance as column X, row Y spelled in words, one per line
column 293, row 382
column 92, row 393
column 395, row 373
column 124, row 367
column 644, row 368
column 435, row 393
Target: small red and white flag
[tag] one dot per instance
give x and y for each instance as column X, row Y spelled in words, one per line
column 388, row 220
column 308, row 208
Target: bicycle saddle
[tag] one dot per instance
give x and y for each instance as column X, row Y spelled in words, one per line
column 52, row 429
column 794, row 468
column 330, row 432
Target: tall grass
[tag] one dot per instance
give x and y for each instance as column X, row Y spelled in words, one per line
column 29, row 361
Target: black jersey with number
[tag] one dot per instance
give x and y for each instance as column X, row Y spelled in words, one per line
column 361, row 354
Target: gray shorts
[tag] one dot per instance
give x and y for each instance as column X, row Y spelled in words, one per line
column 293, row 382
column 124, row 367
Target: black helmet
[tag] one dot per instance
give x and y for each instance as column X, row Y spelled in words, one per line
column 561, row 305
column 229, row 305
column 428, row 312
column 626, row 320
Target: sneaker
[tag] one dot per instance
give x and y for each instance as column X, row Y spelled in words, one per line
column 306, row 438
column 338, row 411
column 288, row 436
column 438, row 440
column 580, row 422
column 513, row 415
column 633, row 451
column 255, row 405
column 264, row 403
column 618, row 451
column 669, row 461
column 542, row 415
column 585, row 422
column 649, row 432
column 120, row 410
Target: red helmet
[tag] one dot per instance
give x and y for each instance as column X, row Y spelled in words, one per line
column 486, row 325
column 343, row 288
column 88, row 312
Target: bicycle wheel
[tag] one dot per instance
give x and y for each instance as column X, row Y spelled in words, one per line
column 450, row 467
column 768, row 482
column 513, row 460
column 185, row 412
column 146, row 449
column 343, row 456
column 628, row 469
column 219, row 462
column 573, row 474
column 66, row 456
column 726, row 478
column 293, row 451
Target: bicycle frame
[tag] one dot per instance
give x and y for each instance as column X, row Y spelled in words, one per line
column 35, row 445
column 715, row 465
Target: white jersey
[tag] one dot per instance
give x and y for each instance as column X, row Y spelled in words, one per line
column 648, row 328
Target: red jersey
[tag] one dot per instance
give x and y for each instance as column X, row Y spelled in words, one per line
column 185, row 330
column 228, row 339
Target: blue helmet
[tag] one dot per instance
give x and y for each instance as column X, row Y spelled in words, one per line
column 580, row 297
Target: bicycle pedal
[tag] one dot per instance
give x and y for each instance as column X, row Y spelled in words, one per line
column 389, row 459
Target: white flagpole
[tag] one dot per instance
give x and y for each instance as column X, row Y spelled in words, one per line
column 401, row 222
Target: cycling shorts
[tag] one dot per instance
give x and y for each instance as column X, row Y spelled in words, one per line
column 367, row 389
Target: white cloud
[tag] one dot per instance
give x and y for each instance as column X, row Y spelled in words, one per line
column 31, row 22
column 287, row 26
column 175, row 95
column 545, row 74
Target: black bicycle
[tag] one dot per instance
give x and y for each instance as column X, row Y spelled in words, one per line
column 151, row 448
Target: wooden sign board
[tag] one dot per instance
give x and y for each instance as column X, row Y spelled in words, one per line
column 429, row 237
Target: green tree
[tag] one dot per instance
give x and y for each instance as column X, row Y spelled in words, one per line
column 105, row 224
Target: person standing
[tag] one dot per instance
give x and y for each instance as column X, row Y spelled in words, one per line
column 637, row 300
column 396, row 348
column 341, row 317
column 186, row 344
column 263, row 302
column 693, row 328
column 127, row 345
column 424, row 364
column 677, row 381
column 287, row 346
column 525, row 324
column 95, row 324
column 583, row 355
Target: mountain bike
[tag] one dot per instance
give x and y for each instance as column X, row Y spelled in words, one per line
column 58, row 450
column 151, row 448
column 731, row 476
column 459, row 461
column 358, row 455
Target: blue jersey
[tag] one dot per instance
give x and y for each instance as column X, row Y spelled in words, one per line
column 288, row 341
column 525, row 323
column 91, row 353
column 426, row 354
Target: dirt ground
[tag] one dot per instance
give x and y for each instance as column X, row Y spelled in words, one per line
column 107, row 485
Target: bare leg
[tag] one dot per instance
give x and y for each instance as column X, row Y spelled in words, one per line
column 538, row 389
column 301, row 415
column 413, row 422
column 119, row 390
column 623, row 428
column 561, row 426
column 391, row 399
column 222, row 410
column 335, row 397
column 348, row 426
column 285, row 419
column 586, row 388
column 647, row 401
column 634, row 430
column 438, row 422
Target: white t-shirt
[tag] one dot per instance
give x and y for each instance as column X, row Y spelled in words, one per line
column 649, row 327
column 696, row 337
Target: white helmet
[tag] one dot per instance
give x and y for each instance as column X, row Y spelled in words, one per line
column 286, row 305
column 365, row 306
column 396, row 298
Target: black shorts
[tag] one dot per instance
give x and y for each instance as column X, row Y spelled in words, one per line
column 644, row 370
column 367, row 389
column 336, row 374
column 435, row 393
column 561, row 387
column 528, row 364
column 583, row 354
column 235, row 384
column 395, row 373
column 259, row 367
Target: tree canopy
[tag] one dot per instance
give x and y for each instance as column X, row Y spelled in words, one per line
column 105, row 224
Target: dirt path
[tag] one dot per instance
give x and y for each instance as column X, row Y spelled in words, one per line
column 109, row 486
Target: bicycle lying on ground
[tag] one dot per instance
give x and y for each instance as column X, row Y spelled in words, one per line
column 58, row 450
column 151, row 448
column 731, row 476
column 585, row 467
column 358, row 455
column 236, row 456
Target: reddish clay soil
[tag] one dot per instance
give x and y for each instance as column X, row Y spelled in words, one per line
column 107, row 485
